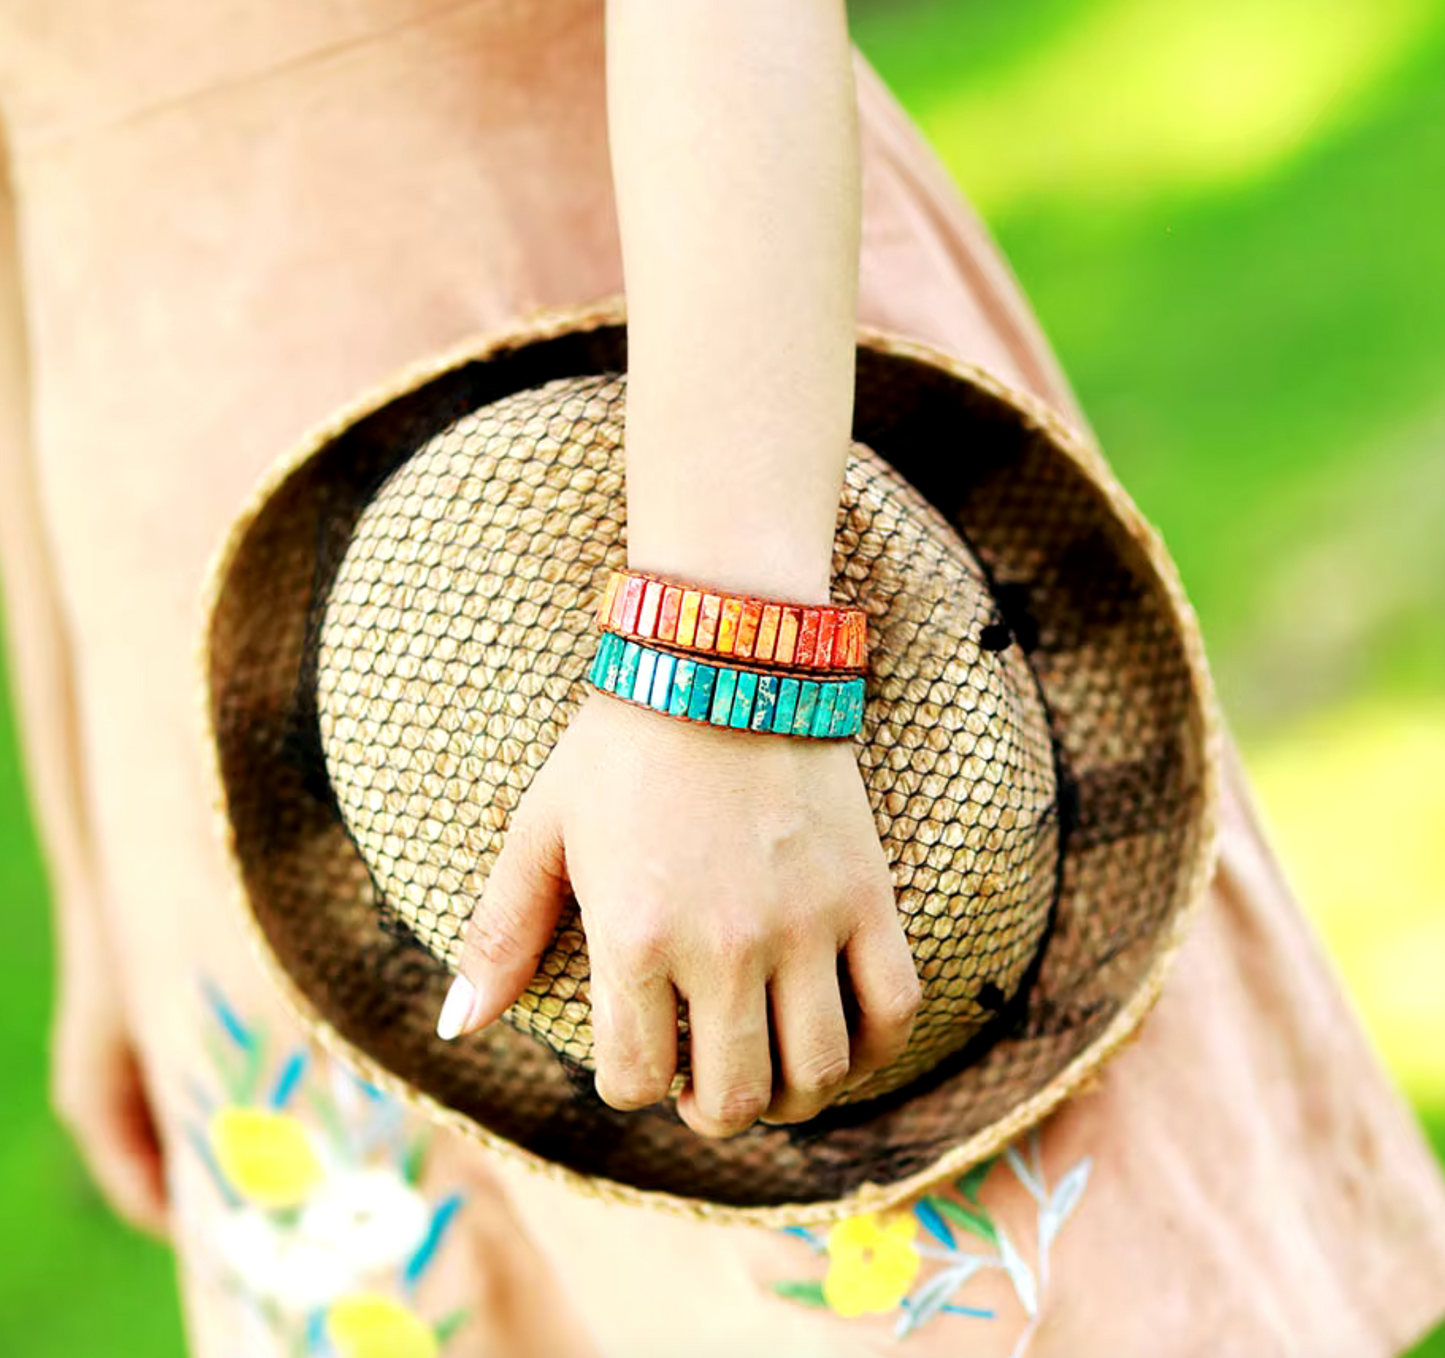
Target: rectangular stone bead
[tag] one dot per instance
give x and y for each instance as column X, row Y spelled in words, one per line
column 662, row 682
column 667, row 614
column 823, row 712
column 787, row 637
column 807, row 637
column 748, row 621
column 687, row 617
column 766, row 703
column 767, row 632
column 856, row 640
column 855, row 705
column 609, row 597
column 722, row 697
column 631, row 603
column 642, row 682
column 606, row 660
column 747, row 691
column 681, row 687
column 627, row 670
column 699, row 703
column 619, row 600
column 647, row 613
column 707, row 622
column 842, row 723
column 827, row 630
column 727, row 626
column 598, row 667
column 807, row 701
column 787, row 706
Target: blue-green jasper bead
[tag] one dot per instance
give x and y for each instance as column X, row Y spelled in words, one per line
column 700, row 701
column 766, row 704
column 662, row 681
column 823, row 712
column 642, row 683
column 598, row 667
column 613, row 664
column 787, row 706
column 843, row 715
column 807, row 701
column 743, row 699
column 722, row 697
column 681, row 687
column 627, row 670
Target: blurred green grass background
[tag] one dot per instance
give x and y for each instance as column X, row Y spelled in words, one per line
column 1231, row 220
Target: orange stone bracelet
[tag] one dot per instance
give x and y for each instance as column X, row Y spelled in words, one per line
column 716, row 622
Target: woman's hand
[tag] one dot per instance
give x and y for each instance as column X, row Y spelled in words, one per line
column 98, row 1093
column 734, row 873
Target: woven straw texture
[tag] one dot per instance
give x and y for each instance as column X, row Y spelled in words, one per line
column 398, row 631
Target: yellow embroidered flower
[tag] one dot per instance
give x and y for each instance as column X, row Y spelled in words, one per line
column 267, row 1157
column 368, row 1325
column 871, row 1264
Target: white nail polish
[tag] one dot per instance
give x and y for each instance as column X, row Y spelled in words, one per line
column 456, row 1008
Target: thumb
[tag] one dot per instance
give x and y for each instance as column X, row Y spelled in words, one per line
column 513, row 924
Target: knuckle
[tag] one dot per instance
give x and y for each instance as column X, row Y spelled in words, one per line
column 741, row 944
column 738, row 1106
column 898, row 1006
column 629, row 1085
column 639, row 947
column 495, row 932
column 820, row 1074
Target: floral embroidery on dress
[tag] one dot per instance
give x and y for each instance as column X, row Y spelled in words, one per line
column 323, row 1233
column 878, row 1264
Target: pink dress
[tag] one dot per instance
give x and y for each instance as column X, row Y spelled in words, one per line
column 234, row 217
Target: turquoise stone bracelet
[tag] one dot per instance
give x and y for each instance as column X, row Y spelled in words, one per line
column 726, row 695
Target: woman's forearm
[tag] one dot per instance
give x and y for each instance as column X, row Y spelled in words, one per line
column 735, row 160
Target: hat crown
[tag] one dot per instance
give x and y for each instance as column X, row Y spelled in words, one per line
column 459, row 626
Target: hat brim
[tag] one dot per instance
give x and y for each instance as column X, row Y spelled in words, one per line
column 1089, row 594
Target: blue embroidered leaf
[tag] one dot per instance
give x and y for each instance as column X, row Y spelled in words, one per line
column 1019, row 1273
column 1062, row 1202
column 934, row 1295
column 806, row 1294
column 969, row 1184
column 807, row 1236
column 237, row 1031
column 202, row 1148
column 291, row 1075
column 316, row 1333
column 448, row 1325
column 977, row 1312
column 1024, row 1174
column 934, row 1224
column 976, row 1222
column 441, row 1218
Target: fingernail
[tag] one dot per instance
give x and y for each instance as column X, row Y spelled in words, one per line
column 456, row 1008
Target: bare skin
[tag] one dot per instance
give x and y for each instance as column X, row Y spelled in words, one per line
column 729, row 872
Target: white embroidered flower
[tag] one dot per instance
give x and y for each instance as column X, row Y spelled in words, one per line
column 276, row 1263
column 368, row 1218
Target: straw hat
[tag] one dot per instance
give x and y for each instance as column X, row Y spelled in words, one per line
column 398, row 628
